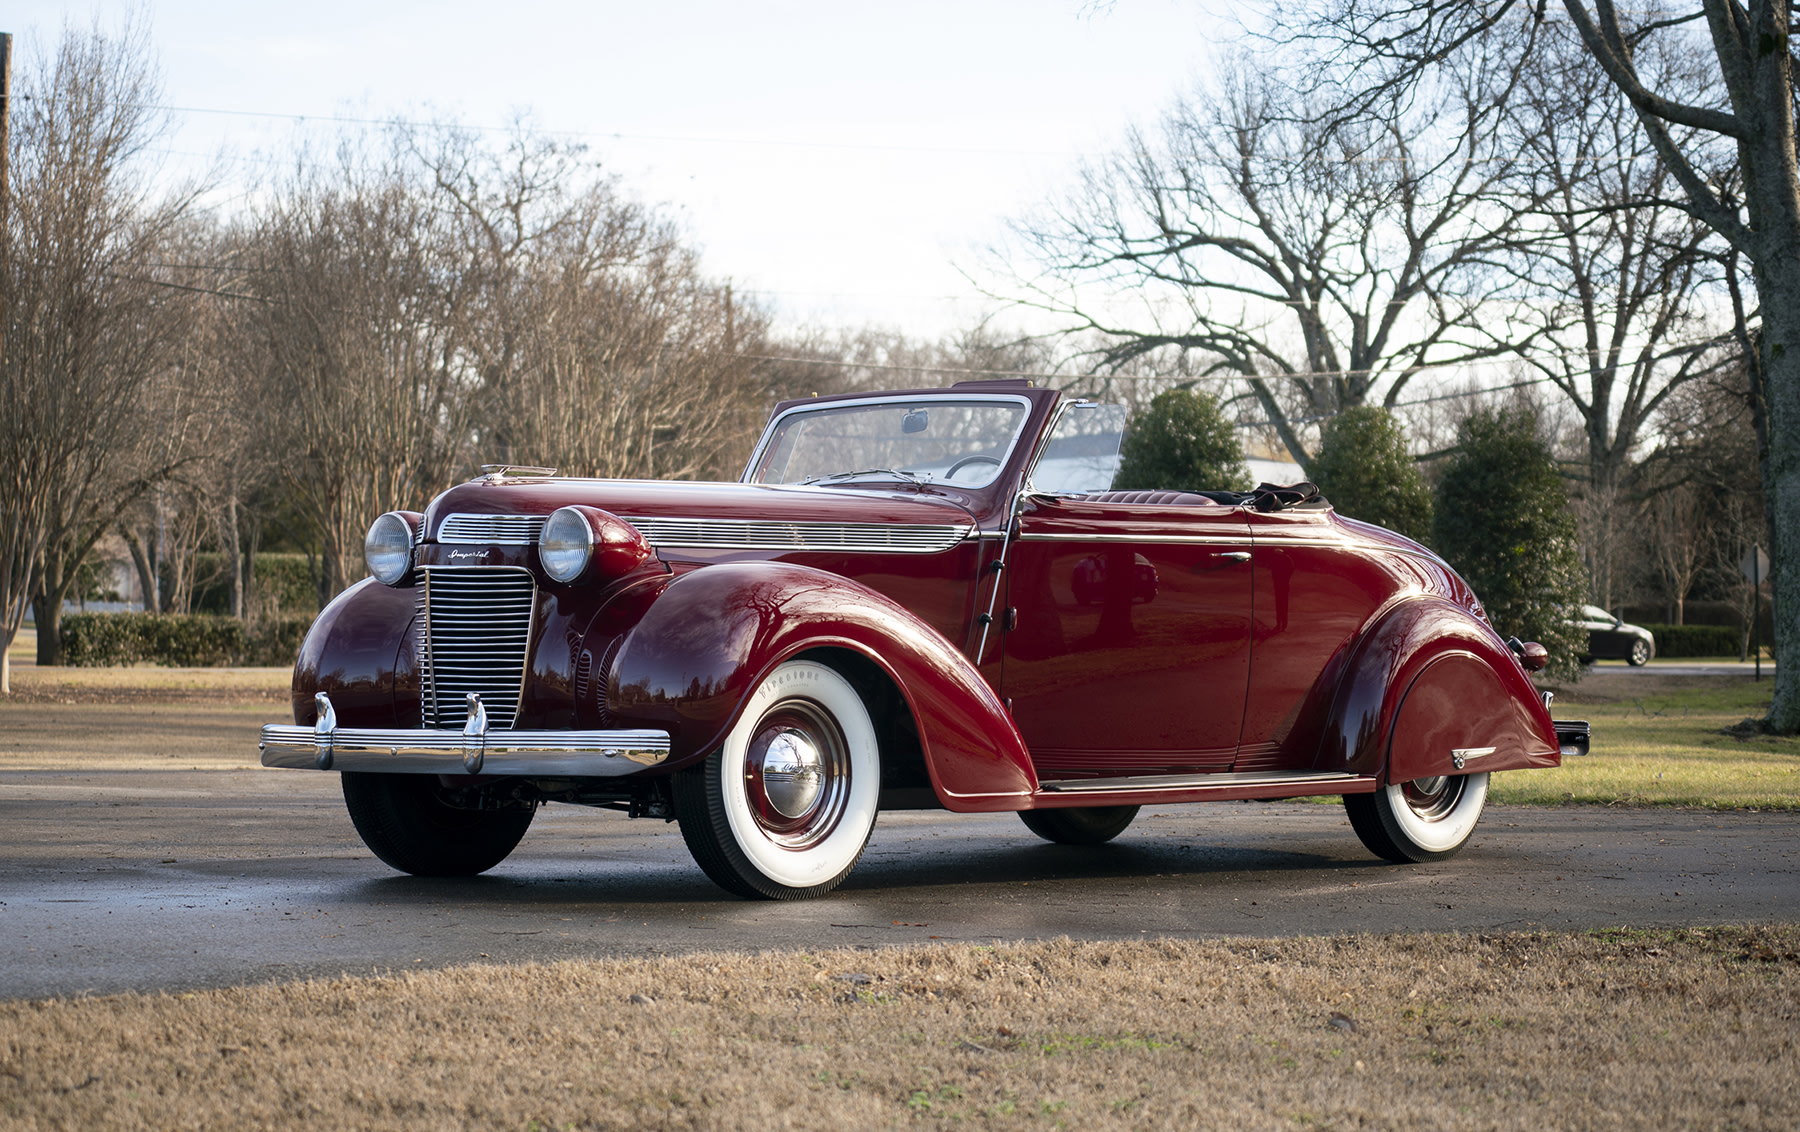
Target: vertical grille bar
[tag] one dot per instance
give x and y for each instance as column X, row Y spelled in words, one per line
column 478, row 624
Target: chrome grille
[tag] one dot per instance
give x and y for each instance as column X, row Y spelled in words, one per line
column 477, row 631
column 492, row 530
column 773, row 534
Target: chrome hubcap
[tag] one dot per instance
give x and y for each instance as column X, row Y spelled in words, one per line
column 797, row 774
column 1432, row 798
column 792, row 772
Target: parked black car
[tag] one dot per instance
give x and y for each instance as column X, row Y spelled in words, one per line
column 1610, row 638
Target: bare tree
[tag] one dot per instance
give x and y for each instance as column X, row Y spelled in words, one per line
column 88, row 407
column 600, row 346
column 1615, row 276
column 1675, row 534
column 1326, row 265
column 355, row 333
column 1393, row 44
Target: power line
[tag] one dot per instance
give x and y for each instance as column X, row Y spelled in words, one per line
column 615, row 135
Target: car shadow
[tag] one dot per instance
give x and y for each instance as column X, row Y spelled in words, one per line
column 677, row 881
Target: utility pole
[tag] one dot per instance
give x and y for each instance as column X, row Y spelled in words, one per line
column 5, row 252
column 5, row 115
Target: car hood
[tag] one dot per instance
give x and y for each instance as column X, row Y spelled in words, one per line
column 680, row 499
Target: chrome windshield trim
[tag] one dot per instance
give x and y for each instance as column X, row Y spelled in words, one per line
column 769, row 430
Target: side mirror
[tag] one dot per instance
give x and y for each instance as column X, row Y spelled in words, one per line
column 1533, row 657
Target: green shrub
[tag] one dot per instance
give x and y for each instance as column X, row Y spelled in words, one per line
column 1696, row 640
column 275, row 641
column 1181, row 442
column 1503, row 522
column 1363, row 469
column 284, row 584
column 103, row 640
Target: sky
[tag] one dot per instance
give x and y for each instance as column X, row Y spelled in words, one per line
column 847, row 163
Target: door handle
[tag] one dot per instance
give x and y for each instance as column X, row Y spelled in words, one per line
column 1235, row 555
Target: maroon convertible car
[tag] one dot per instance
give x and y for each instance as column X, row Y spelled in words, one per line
column 924, row 599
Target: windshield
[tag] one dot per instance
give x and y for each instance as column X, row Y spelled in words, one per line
column 964, row 442
column 1083, row 452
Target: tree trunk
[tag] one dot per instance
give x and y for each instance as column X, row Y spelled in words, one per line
column 233, row 558
column 1778, row 287
column 46, row 610
column 146, row 575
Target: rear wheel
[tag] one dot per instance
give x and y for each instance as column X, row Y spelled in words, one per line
column 414, row 824
column 783, row 809
column 1427, row 819
column 1079, row 825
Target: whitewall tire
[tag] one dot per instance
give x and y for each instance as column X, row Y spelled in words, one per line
column 1427, row 819
column 784, row 808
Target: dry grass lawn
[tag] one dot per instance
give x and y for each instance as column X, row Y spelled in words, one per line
column 1629, row 1030
column 146, row 683
column 1662, row 741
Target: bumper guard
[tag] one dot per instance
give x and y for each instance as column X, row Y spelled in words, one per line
column 1572, row 736
column 473, row 750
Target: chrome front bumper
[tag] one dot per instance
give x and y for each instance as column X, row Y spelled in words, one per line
column 473, row 750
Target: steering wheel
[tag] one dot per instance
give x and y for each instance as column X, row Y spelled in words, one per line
column 966, row 461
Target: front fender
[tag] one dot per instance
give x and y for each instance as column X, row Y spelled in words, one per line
column 353, row 650
column 1429, row 680
column 712, row 635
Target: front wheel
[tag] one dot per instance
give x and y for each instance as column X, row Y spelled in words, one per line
column 415, row 825
column 1427, row 819
column 783, row 809
column 1640, row 653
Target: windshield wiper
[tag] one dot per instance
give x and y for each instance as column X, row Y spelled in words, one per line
column 910, row 477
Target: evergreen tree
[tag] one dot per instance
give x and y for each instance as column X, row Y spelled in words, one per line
column 1503, row 522
column 1364, row 470
column 1182, row 442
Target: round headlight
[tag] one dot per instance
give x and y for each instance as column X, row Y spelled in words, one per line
column 566, row 545
column 388, row 549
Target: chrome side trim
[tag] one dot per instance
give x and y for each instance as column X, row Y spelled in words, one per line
column 774, row 534
column 1209, row 540
column 492, row 530
column 1190, row 781
column 1463, row 756
column 1266, row 541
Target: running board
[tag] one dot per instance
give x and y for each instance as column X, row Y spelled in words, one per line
column 1160, row 782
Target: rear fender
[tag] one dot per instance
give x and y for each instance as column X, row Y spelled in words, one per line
column 711, row 637
column 1431, row 685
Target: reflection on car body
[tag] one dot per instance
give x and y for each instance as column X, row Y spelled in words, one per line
column 927, row 598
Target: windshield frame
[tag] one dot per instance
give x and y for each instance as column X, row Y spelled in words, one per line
column 921, row 399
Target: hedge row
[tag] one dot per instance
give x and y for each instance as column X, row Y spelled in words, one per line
column 104, row 640
column 284, row 584
column 1696, row 640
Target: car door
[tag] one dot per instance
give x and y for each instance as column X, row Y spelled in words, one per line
column 1127, row 634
